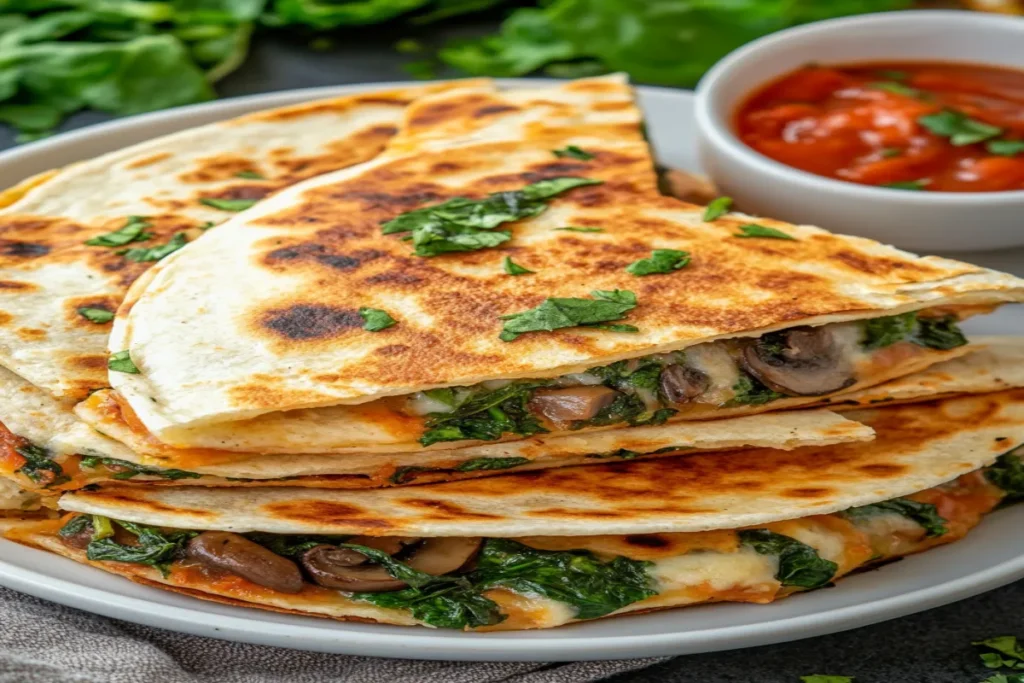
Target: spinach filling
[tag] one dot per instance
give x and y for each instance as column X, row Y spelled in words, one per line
column 1007, row 473
column 406, row 473
column 152, row 547
column 39, row 467
column 122, row 469
column 800, row 565
column 924, row 514
column 933, row 333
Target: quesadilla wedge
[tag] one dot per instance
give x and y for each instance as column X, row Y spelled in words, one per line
column 752, row 526
column 73, row 240
column 418, row 332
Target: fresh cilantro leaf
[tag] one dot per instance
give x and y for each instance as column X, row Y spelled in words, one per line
column 375, row 319
column 228, row 204
column 141, row 255
column 1005, row 148
column 558, row 313
column 660, row 261
column 960, row 129
column 461, row 224
column 761, row 231
column 898, row 89
column 249, row 175
column 99, row 316
column 925, row 514
column 912, row 185
column 513, row 268
column 576, row 228
column 799, row 564
column 717, row 208
column 820, row 678
column 572, row 152
column 1001, row 652
column 122, row 362
column 133, row 231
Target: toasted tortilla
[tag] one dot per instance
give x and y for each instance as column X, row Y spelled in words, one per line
column 916, row 447
column 47, row 272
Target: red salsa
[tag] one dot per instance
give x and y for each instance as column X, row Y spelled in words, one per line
column 913, row 126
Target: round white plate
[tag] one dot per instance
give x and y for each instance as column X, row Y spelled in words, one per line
column 991, row 556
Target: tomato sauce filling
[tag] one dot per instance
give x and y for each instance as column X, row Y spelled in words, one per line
column 911, row 126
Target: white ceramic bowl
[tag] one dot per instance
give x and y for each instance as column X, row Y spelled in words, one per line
column 918, row 221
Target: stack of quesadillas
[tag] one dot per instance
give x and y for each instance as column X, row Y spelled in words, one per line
column 445, row 356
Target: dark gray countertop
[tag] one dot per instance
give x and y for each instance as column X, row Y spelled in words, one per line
column 932, row 647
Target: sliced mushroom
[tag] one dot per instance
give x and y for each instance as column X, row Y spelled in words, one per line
column 334, row 567
column 386, row 544
column 680, row 383
column 79, row 540
column 238, row 555
column 803, row 361
column 572, row 403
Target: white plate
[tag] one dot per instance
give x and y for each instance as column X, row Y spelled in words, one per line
column 991, row 556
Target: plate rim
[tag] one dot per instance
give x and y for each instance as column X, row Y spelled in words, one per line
column 410, row 642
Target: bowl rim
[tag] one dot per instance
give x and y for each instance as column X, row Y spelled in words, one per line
column 717, row 130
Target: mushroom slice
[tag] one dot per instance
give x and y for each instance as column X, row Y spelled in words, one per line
column 803, row 361
column 238, row 555
column 680, row 383
column 572, row 403
column 439, row 556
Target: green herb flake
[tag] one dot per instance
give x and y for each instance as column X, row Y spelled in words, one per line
column 375, row 319
column 899, row 89
column 1001, row 652
column 717, row 208
column 577, row 228
column 760, row 231
column 960, row 129
column 133, row 231
column 228, row 204
column 1005, row 148
column 143, row 255
column 100, row 316
column 553, row 314
column 572, row 152
column 249, row 175
column 924, row 514
column 799, row 564
column 660, row 261
column 512, row 268
column 122, row 362
column 911, row 185
column 480, row 464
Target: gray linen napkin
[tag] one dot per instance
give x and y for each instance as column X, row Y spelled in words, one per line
column 42, row 642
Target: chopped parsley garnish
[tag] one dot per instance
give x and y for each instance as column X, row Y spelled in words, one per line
column 934, row 333
column 660, row 261
column 513, row 268
column 925, row 514
column 553, row 314
column 1001, row 652
column 126, row 470
column 960, row 129
column 899, row 89
column 96, row 315
column 133, row 231
column 572, row 152
column 249, row 175
column 461, row 224
column 1005, row 148
column 912, row 185
column 228, row 204
column 122, row 362
column 799, row 564
column 717, row 208
column 578, row 228
column 761, row 231
column 39, row 467
column 156, row 253
column 375, row 319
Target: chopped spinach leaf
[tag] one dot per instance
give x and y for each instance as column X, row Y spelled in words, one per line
column 799, row 564
column 75, row 526
column 749, row 390
column 486, row 416
column 760, row 231
column 126, row 470
column 99, row 316
column 573, row 152
column 925, row 514
column 39, row 467
column 405, row 473
column 912, row 185
column 717, row 208
column 1005, row 148
column 1001, row 652
column 443, row 605
column 660, row 261
column 228, row 204
column 133, row 231
column 141, row 255
column 934, row 333
column 553, row 314
column 478, row 464
column 153, row 548
column 939, row 333
column 960, row 129
column 122, row 362
column 375, row 319
column 249, row 175
column 461, row 224
column 513, row 268
column 1007, row 472
column 577, row 228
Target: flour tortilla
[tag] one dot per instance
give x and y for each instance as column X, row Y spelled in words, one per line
column 272, row 323
column 916, row 447
column 47, row 273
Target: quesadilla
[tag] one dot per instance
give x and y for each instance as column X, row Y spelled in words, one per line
column 379, row 309
column 542, row 549
column 73, row 240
